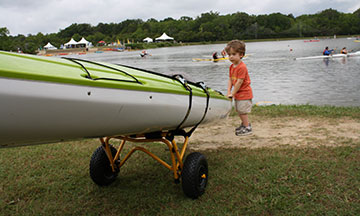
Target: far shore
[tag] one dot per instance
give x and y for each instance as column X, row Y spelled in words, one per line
column 143, row 46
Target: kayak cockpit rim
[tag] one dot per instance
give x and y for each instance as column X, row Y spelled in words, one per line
column 77, row 61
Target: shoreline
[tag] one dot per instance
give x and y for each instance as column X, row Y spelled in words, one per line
column 144, row 46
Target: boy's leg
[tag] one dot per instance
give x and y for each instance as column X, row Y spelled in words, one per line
column 243, row 108
column 244, row 119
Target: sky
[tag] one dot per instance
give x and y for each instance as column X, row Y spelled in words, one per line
column 50, row 16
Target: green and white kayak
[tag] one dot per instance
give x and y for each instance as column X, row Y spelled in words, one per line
column 45, row 99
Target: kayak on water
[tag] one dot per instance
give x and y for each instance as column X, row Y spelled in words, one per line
column 330, row 56
column 215, row 60
column 218, row 59
column 46, row 99
column 311, row 40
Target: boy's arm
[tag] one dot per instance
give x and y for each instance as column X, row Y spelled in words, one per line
column 229, row 88
column 237, row 86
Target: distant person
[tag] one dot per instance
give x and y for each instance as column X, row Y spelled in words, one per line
column 290, row 48
column 239, row 85
column 143, row 54
column 344, row 51
column 327, row 51
column 215, row 55
column 326, row 61
column 223, row 53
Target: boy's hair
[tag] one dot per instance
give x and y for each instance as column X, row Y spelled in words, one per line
column 237, row 45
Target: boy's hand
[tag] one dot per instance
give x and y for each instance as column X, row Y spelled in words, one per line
column 230, row 96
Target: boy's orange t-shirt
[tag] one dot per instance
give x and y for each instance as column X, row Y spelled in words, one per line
column 241, row 72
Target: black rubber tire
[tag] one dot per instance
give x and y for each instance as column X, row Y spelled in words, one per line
column 100, row 167
column 193, row 182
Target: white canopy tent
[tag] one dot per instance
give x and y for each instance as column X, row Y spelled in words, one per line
column 71, row 44
column 148, row 40
column 83, row 42
column 49, row 46
column 164, row 37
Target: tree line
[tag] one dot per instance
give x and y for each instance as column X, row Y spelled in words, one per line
column 207, row 27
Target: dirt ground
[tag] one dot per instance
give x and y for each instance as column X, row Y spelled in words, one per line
column 277, row 132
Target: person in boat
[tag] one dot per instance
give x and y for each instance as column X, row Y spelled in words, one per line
column 223, row 53
column 143, row 54
column 344, row 51
column 239, row 85
column 327, row 51
column 215, row 55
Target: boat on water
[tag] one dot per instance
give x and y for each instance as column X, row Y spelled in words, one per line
column 210, row 59
column 46, row 99
column 216, row 60
column 330, row 56
column 312, row 40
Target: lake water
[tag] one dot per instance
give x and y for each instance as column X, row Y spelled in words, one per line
column 275, row 75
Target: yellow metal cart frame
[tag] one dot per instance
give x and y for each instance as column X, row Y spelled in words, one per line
column 193, row 172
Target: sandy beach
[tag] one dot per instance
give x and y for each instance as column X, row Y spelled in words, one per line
column 277, row 132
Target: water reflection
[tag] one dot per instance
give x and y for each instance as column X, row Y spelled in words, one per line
column 274, row 73
column 326, row 61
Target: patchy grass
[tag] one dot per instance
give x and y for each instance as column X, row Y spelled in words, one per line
column 53, row 180
column 306, row 111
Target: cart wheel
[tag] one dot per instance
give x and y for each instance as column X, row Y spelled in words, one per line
column 100, row 167
column 194, row 175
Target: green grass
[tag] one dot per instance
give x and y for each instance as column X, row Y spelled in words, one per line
column 306, row 111
column 54, row 179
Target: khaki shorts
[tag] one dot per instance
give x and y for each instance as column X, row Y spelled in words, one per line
column 243, row 106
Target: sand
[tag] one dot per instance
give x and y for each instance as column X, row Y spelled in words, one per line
column 277, row 132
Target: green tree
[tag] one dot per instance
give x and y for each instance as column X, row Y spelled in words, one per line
column 210, row 26
column 76, row 37
column 81, row 29
column 4, row 32
column 239, row 23
column 328, row 22
column 4, row 39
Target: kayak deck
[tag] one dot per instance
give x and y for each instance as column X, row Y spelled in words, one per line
column 86, row 73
